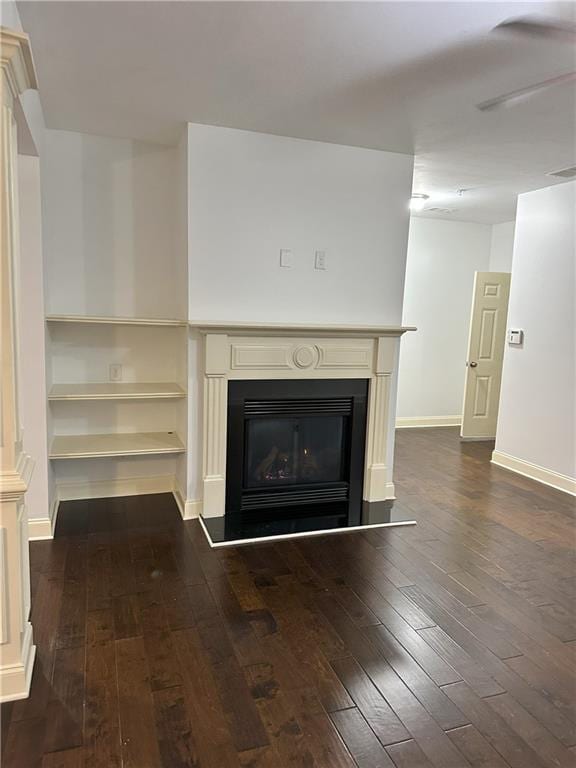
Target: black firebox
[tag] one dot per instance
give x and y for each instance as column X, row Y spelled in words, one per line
column 296, row 449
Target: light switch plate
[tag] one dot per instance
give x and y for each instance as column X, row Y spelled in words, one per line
column 320, row 260
column 515, row 336
column 286, row 258
column 115, row 372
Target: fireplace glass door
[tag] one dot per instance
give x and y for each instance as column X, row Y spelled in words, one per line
column 294, row 451
column 296, row 448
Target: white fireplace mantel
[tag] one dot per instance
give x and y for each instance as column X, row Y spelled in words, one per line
column 255, row 350
column 239, row 328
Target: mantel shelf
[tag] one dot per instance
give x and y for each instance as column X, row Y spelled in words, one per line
column 97, row 320
column 116, row 391
column 132, row 444
column 247, row 328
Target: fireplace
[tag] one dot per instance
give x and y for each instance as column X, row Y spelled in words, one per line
column 297, row 429
column 295, row 448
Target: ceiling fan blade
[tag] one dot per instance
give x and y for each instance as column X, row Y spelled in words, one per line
column 540, row 26
column 524, row 93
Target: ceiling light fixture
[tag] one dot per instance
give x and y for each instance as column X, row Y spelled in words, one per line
column 418, row 201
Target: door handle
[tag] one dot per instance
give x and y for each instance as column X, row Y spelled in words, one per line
column 473, row 364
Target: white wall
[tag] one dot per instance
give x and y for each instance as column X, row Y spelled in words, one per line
column 253, row 194
column 536, row 422
column 111, row 240
column 9, row 16
column 501, row 247
column 442, row 259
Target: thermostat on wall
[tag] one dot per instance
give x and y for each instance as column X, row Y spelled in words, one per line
column 515, row 336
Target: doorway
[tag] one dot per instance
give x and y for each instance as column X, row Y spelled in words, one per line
column 485, row 355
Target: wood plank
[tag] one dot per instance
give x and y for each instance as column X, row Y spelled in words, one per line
column 550, row 750
column 370, row 702
column 515, row 751
column 279, row 718
column 442, row 710
column 126, row 617
column 69, row 758
column 65, row 714
column 364, row 747
column 397, row 631
column 72, row 626
column 530, row 699
column 24, row 744
column 423, row 728
column 479, row 752
column 211, row 733
column 140, row 748
column 175, row 739
column 408, row 754
column 243, row 718
column 102, row 745
column 472, row 673
column 160, row 654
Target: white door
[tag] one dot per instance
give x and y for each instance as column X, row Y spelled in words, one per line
column 485, row 353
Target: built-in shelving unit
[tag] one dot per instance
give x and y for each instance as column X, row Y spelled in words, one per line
column 113, row 434
column 117, row 444
column 116, row 391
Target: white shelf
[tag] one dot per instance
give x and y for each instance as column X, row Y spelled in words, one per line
column 97, row 320
column 116, row 391
column 132, row 444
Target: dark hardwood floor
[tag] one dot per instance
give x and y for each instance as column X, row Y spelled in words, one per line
column 450, row 644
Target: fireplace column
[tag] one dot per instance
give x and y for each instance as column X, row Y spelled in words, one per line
column 377, row 486
column 215, row 425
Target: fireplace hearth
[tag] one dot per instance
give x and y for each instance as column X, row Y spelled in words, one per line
column 296, row 449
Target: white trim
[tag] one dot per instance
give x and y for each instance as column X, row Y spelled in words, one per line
column 535, row 472
column 300, row 534
column 40, row 528
column 242, row 328
column 389, row 492
column 189, row 509
column 192, row 510
column 15, row 678
column 407, row 422
column 179, row 501
column 103, row 489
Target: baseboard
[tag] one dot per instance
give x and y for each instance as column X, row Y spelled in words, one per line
column 103, row 489
column 180, row 503
column 15, row 678
column 535, row 472
column 40, row 528
column 192, row 510
column 405, row 422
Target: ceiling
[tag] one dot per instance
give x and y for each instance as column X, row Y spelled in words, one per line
column 399, row 76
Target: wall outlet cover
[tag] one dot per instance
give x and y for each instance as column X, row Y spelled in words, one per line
column 115, row 372
column 320, row 260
